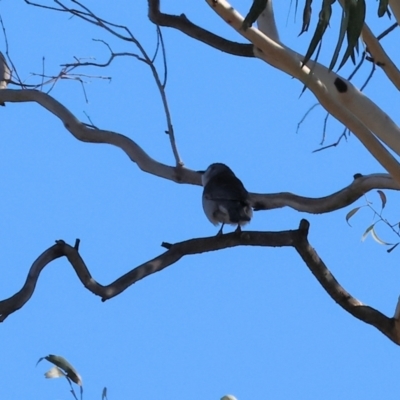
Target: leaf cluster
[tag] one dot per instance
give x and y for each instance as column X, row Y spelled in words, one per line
column 352, row 22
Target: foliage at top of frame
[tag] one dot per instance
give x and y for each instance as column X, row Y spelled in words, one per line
column 352, row 21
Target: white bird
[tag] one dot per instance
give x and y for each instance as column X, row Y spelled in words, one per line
column 225, row 199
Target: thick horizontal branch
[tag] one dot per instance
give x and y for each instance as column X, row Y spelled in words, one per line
column 88, row 134
column 335, row 201
column 344, row 197
column 292, row 238
column 174, row 253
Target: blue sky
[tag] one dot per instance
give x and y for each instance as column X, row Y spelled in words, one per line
column 252, row 322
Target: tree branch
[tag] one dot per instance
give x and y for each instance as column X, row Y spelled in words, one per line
column 292, row 238
column 182, row 23
column 344, row 197
column 336, row 94
column 380, row 57
column 395, row 7
column 349, row 303
column 84, row 133
column 87, row 15
column 335, row 201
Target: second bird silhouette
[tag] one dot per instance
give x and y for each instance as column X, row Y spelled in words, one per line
column 225, row 199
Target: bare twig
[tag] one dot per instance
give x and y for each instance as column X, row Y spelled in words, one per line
column 164, row 57
column 387, row 31
column 89, row 16
column 342, row 136
column 305, row 116
column 368, row 78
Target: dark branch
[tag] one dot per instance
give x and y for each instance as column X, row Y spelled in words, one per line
column 353, row 306
column 292, row 238
column 182, row 23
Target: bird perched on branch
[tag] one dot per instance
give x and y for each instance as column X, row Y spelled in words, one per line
column 225, row 199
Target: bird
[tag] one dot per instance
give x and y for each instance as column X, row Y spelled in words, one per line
column 225, row 199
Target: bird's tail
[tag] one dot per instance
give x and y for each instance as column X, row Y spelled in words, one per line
column 240, row 213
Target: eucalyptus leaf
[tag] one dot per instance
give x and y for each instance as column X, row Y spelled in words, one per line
column 367, row 231
column 323, row 22
column 351, row 213
column 355, row 24
column 62, row 363
column 255, row 11
column 307, row 11
column 379, row 240
column 342, row 33
column 383, row 8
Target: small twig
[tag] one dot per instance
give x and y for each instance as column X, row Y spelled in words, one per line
column 305, row 116
column 165, row 65
column 358, row 66
column 160, row 85
column 72, row 389
column 324, row 128
column 90, row 120
column 369, row 77
column 343, row 135
column 43, row 73
column 89, row 16
column 387, row 31
column 381, row 218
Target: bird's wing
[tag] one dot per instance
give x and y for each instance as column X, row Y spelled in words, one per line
column 227, row 188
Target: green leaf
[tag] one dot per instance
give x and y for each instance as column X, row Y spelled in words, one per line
column 377, row 239
column 323, row 22
column 392, row 248
column 312, row 68
column 255, row 11
column 62, row 363
column 355, row 24
column 351, row 213
column 307, row 11
column 343, row 29
column 383, row 8
column 383, row 198
column 367, row 231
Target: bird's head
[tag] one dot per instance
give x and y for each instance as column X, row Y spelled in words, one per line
column 214, row 170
